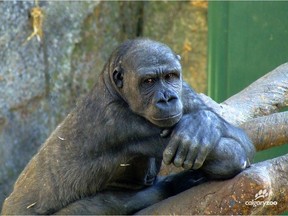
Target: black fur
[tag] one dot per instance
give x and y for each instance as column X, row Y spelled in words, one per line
column 105, row 156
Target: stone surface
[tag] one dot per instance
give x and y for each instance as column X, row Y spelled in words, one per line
column 31, row 104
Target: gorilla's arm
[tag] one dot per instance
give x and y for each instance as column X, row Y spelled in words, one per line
column 122, row 202
column 203, row 139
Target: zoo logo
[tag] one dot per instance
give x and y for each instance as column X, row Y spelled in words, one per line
column 261, row 194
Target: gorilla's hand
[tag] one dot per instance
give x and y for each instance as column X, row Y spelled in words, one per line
column 204, row 138
column 193, row 138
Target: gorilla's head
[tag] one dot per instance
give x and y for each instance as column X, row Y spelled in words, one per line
column 147, row 75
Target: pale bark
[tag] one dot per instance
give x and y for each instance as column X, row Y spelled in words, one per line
column 268, row 131
column 234, row 196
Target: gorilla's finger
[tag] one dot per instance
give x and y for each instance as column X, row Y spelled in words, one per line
column 182, row 152
column 202, row 153
column 170, row 150
column 192, row 153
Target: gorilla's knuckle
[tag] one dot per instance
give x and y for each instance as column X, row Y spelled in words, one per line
column 185, row 146
column 167, row 156
column 168, row 151
column 206, row 146
column 186, row 139
column 194, row 145
column 198, row 162
column 178, row 137
column 178, row 162
column 187, row 164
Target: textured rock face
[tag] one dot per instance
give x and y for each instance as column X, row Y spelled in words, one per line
column 34, row 78
column 41, row 81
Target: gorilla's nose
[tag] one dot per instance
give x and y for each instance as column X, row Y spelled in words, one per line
column 165, row 98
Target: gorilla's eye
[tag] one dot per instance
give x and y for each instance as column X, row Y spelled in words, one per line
column 171, row 76
column 149, row 81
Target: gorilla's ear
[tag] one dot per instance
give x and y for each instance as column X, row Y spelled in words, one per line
column 118, row 77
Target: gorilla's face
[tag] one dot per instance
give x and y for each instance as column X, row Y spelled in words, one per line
column 150, row 81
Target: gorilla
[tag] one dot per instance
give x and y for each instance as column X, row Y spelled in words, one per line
column 105, row 156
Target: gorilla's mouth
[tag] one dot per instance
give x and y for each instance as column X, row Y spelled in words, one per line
column 166, row 121
column 167, row 117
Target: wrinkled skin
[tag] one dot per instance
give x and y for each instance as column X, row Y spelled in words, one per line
column 105, row 156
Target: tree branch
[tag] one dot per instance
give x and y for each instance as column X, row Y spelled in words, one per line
column 266, row 181
column 268, row 131
column 266, row 95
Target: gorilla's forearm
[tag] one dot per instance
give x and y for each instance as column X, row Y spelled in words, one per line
column 223, row 149
column 233, row 151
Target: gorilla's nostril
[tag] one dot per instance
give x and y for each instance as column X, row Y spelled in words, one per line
column 171, row 99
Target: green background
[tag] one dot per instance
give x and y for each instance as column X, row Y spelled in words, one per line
column 246, row 40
